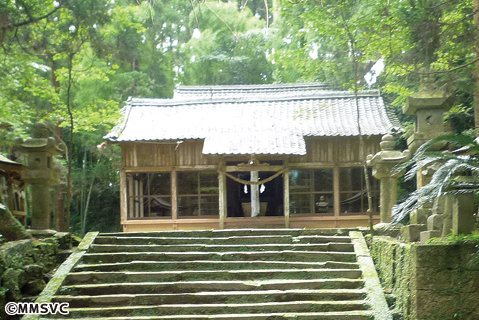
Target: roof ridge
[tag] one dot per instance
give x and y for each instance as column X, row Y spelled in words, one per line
column 213, row 99
column 252, row 86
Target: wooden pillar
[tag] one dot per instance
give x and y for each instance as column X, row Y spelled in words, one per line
column 286, row 198
column 11, row 196
column 254, row 194
column 336, row 194
column 174, row 195
column 141, row 192
column 137, row 198
column 223, row 205
column 124, row 206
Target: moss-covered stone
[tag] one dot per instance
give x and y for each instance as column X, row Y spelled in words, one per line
column 64, row 240
column 14, row 253
column 430, row 282
column 3, row 302
column 33, row 287
column 24, row 263
column 34, row 271
column 12, row 280
column 48, row 247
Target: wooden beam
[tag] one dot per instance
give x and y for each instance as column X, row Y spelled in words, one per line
column 170, row 168
column 324, row 165
column 248, row 168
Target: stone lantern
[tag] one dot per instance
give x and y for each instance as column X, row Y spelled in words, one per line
column 383, row 163
column 40, row 173
column 428, row 105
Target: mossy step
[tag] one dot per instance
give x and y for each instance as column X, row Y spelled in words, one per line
column 162, row 276
column 348, row 315
column 212, row 309
column 142, row 240
column 209, row 233
column 286, row 255
column 204, row 286
column 331, row 247
column 239, row 240
column 212, row 265
column 236, row 232
column 119, row 299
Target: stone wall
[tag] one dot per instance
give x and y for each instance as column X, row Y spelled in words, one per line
column 25, row 264
column 430, row 282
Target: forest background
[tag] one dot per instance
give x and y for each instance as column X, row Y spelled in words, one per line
column 74, row 63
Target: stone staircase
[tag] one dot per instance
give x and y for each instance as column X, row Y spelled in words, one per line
column 224, row 274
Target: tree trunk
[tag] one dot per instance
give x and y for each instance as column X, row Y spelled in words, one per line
column 10, row 227
column 476, row 93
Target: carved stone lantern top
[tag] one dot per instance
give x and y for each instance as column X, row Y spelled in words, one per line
column 40, row 149
column 384, row 161
column 428, row 105
column 40, row 142
column 429, row 96
column 387, row 153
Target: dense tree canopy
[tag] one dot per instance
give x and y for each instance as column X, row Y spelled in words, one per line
column 74, row 63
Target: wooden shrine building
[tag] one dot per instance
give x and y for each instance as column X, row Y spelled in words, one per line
column 248, row 156
column 12, row 187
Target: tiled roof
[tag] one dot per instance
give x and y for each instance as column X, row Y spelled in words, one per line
column 270, row 119
column 5, row 160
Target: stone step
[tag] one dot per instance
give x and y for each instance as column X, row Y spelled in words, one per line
column 214, row 286
column 236, row 232
column 239, row 240
column 211, row 265
column 212, row 309
column 286, row 255
column 345, row 315
column 223, row 297
column 107, row 248
column 226, row 275
column 162, row 276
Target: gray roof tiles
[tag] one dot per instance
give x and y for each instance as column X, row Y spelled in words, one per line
column 269, row 119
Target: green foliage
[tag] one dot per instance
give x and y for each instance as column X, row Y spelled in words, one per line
column 460, row 118
column 231, row 49
column 472, row 238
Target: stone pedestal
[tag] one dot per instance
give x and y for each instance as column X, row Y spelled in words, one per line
column 419, row 216
column 463, row 214
column 448, row 205
column 383, row 163
column 41, row 207
column 425, row 236
column 435, row 222
column 412, row 232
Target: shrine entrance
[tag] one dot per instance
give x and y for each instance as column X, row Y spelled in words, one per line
column 241, row 195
